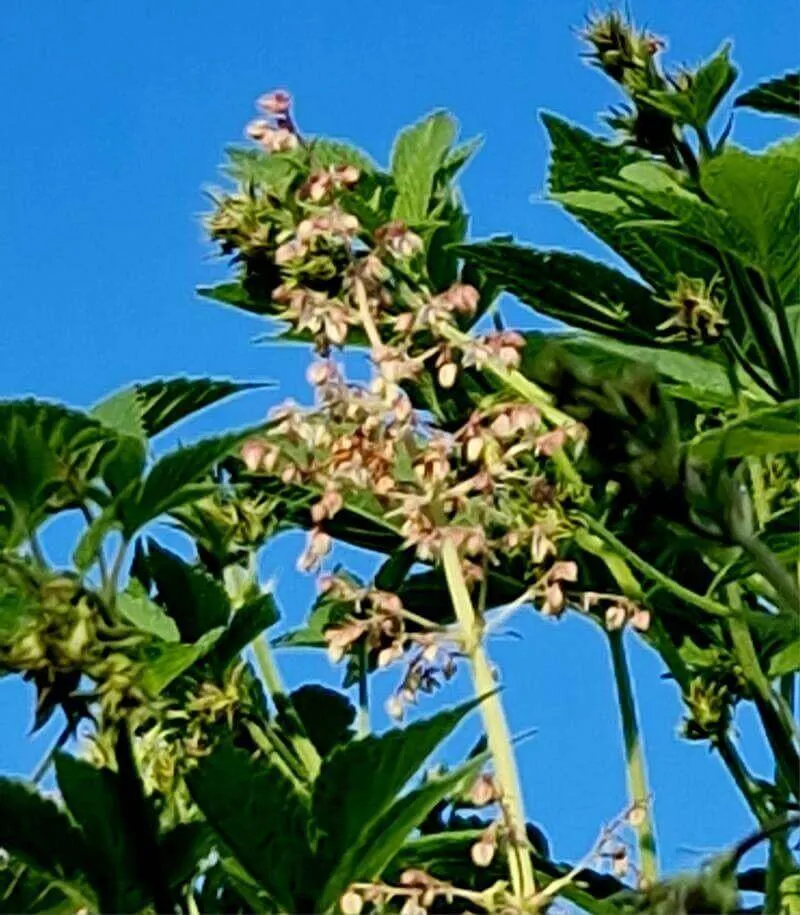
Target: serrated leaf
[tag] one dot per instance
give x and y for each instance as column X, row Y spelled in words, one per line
column 773, row 430
column 275, row 172
column 418, row 154
column 380, row 843
column 175, row 479
column 92, row 797
column 760, row 195
column 166, row 402
column 780, row 95
column 35, row 830
column 583, row 163
column 169, row 660
column 260, row 817
column 122, row 412
column 699, row 375
column 196, row 601
column 786, row 661
column 326, row 716
column 137, row 608
column 233, row 293
column 696, row 104
column 359, row 781
column 570, row 288
column 49, row 454
column 246, row 624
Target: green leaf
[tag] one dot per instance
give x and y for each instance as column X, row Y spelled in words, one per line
column 24, row 890
column 583, row 163
column 570, row 288
column 324, row 153
column 49, row 454
column 418, row 154
column 775, row 96
column 248, row 622
column 174, row 479
column 383, row 839
column 39, row 833
column 137, row 608
column 685, row 374
column 709, row 84
column 786, row 661
column 233, row 293
column 196, row 601
column 166, row 402
column 183, row 848
column 773, row 430
column 92, row 797
column 260, row 817
column 326, row 716
column 760, row 195
column 168, row 660
column 359, row 781
column 122, row 412
column 274, row 172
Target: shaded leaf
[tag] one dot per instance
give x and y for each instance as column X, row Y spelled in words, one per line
column 383, row 839
column 260, row 817
column 696, row 104
column 169, row 660
column 359, row 781
column 246, row 624
column 570, row 288
column 196, row 601
column 39, row 833
column 92, row 797
column 326, row 716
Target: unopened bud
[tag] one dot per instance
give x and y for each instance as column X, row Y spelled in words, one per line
column 351, row 903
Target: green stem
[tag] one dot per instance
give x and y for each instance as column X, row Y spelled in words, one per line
column 273, row 748
column 780, row 578
column 363, row 723
column 306, row 750
column 498, row 736
column 533, row 394
column 639, row 792
column 690, row 597
column 770, row 709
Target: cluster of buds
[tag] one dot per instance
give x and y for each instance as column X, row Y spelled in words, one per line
column 377, row 620
column 709, row 707
column 275, row 132
column 433, row 660
column 117, row 679
column 618, row 611
column 65, row 635
column 697, row 310
column 626, row 54
column 417, row 890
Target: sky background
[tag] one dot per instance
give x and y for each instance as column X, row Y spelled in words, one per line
column 114, row 119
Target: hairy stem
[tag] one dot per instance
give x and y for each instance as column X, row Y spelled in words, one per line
column 498, row 736
column 635, row 760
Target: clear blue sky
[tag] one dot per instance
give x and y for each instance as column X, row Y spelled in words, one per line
column 114, row 117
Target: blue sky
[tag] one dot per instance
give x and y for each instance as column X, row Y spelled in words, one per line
column 114, row 119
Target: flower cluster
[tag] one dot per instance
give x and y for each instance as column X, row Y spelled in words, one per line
column 696, row 307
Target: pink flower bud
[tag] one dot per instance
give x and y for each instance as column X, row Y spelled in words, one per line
column 615, row 617
column 275, row 103
column 252, row 454
column 351, row 903
column 257, row 129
